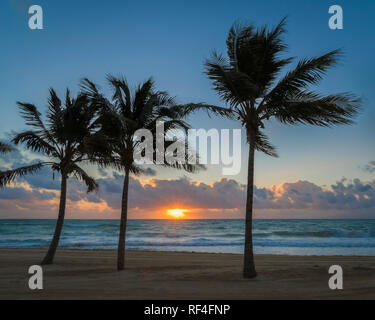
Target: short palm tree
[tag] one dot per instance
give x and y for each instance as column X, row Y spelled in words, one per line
column 121, row 117
column 249, row 82
column 63, row 140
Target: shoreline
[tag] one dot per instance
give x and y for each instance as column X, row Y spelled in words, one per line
column 156, row 275
column 62, row 249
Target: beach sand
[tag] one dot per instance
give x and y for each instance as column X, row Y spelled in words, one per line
column 91, row 274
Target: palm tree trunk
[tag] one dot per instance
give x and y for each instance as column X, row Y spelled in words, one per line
column 123, row 221
column 249, row 267
column 48, row 259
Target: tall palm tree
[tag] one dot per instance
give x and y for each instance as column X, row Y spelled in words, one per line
column 249, row 82
column 121, row 117
column 63, row 139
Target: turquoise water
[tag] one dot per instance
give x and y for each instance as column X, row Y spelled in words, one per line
column 294, row 237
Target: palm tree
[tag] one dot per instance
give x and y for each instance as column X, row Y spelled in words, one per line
column 249, row 82
column 63, row 140
column 121, row 117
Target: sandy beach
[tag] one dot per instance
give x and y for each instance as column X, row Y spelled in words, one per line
column 91, row 274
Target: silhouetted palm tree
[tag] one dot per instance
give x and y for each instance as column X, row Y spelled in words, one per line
column 63, row 140
column 247, row 82
column 121, row 117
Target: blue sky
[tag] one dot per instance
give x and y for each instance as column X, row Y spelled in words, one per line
column 169, row 40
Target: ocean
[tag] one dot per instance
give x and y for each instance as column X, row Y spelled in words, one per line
column 289, row 237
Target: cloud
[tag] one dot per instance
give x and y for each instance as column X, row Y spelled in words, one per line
column 370, row 167
column 39, row 194
column 306, row 195
column 149, row 172
column 25, row 194
column 225, row 197
column 44, row 178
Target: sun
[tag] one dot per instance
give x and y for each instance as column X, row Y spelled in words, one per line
column 177, row 213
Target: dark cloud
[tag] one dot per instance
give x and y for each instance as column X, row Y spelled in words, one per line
column 370, row 167
column 45, row 179
column 149, row 172
column 25, row 194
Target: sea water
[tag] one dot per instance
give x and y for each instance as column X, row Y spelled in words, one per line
column 291, row 237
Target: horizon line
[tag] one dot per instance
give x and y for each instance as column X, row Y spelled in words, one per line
column 229, row 219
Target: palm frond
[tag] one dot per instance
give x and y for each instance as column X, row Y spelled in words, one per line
column 89, row 87
column 256, row 53
column 7, row 177
column 307, row 72
column 31, row 114
column 121, row 94
column 236, row 32
column 33, row 118
column 183, row 110
column 81, row 175
column 162, row 99
column 143, row 93
column 232, row 85
column 100, row 150
column 5, row 148
column 35, row 143
column 262, row 144
column 314, row 109
column 191, row 168
column 187, row 163
column 157, row 106
column 110, row 162
column 55, row 116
